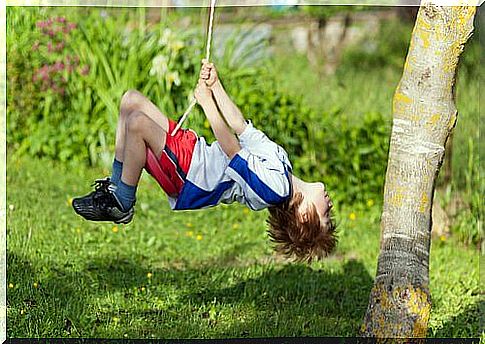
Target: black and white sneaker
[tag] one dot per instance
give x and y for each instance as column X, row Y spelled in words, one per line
column 102, row 205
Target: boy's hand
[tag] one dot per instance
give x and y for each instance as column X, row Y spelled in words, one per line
column 203, row 94
column 208, row 73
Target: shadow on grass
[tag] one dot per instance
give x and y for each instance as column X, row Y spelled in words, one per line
column 467, row 323
column 250, row 301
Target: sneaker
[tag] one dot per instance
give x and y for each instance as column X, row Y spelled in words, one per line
column 102, row 205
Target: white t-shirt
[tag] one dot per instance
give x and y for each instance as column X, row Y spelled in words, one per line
column 257, row 176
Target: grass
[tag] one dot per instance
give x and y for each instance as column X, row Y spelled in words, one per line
column 205, row 274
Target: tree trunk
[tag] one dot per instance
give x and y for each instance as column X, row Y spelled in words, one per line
column 424, row 115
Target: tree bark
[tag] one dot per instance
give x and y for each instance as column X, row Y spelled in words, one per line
column 424, row 115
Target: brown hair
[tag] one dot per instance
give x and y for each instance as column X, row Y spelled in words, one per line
column 303, row 240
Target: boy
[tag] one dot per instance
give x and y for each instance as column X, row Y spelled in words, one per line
column 248, row 168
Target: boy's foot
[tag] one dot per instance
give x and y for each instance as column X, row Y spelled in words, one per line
column 102, row 205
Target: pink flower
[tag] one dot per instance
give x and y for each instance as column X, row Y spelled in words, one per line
column 61, row 19
column 85, row 70
column 49, row 46
column 58, row 66
column 44, row 69
column 56, row 88
column 72, row 26
column 60, row 46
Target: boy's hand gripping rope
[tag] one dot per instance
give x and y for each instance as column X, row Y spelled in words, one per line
column 207, row 56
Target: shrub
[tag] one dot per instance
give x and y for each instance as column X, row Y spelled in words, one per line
column 75, row 96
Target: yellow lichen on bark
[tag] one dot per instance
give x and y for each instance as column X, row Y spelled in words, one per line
column 412, row 301
column 396, row 195
column 418, row 304
column 400, row 103
column 423, row 203
column 433, row 119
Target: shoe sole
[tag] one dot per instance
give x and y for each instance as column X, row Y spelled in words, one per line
column 125, row 220
column 90, row 216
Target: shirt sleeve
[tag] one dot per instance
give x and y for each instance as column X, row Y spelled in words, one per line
column 264, row 181
column 258, row 143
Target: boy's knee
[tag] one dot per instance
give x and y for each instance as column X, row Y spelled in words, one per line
column 130, row 100
column 136, row 122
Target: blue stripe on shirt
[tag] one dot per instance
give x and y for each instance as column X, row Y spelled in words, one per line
column 193, row 197
column 240, row 165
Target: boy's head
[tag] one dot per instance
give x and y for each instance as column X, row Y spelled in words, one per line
column 303, row 225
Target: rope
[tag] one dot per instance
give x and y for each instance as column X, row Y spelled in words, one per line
column 207, row 57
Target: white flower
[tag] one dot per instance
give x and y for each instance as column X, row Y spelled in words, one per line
column 166, row 37
column 159, row 66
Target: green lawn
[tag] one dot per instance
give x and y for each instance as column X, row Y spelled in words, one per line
column 208, row 273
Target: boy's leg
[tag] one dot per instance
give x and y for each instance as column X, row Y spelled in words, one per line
column 130, row 102
column 140, row 132
column 148, row 127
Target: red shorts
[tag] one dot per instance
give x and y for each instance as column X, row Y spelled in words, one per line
column 170, row 170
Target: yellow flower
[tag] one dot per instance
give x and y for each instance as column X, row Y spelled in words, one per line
column 11, row 207
column 207, row 124
column 442, row 237
column 176, row 46
column 199, row 237
column 22, row 312
column 246, row 211
column 149, row 275
column 142, row 289
column 115, row 229
column 69, row 201
column 235, row 226
column 189, row 234
column 78, row 230
column 10, row 285
column 36, row 285
column 172, row 78
column 352, row 216
column 116, row 320
column 188, row 224
column 370, row 203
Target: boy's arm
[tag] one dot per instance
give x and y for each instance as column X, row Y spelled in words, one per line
column 227, row 140
column 230, row 111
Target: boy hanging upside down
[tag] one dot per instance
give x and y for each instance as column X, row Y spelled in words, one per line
column 243, row 166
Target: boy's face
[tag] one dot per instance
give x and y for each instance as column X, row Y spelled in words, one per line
column 317, row 196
